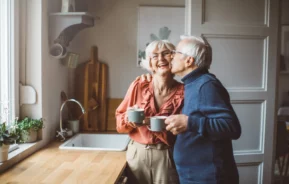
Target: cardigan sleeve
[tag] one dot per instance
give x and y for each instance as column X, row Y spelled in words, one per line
column 218, row 120
column 128, row 101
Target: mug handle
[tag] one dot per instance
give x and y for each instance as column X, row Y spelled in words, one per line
column 149, row 127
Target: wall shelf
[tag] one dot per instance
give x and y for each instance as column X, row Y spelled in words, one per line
column 64, row 26
column 71, row 14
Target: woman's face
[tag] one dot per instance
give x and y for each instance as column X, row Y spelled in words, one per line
column 160, row 62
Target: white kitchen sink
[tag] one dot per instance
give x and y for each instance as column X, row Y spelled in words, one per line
column 105, row 142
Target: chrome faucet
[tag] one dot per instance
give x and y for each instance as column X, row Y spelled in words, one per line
column 62, row 133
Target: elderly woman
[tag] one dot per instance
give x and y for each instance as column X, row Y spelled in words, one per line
column 149, row 154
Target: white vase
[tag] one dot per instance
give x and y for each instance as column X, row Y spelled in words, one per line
column 68, row 6
column 29, row 136
column 74, row 125
column 4, row 152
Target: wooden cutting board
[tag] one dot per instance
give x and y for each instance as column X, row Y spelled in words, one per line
column 91, row 91
column 113, row 103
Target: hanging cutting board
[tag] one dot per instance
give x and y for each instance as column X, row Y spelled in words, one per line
column 91, row 91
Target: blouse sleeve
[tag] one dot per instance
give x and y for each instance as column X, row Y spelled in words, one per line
column 129, row 100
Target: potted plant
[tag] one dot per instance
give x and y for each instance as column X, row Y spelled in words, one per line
column 29, row 128
column 7, row 137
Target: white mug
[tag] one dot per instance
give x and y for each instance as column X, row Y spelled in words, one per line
column 74, row 125
column 58, row 51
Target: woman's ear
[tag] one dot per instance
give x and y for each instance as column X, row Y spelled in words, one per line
column 151, row 66
column 150, row 63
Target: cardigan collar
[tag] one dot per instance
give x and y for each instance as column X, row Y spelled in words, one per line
column 193, row 75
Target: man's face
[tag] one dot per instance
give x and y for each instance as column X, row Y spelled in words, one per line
column 178, row 62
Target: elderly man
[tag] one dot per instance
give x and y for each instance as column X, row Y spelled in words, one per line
column 203, row 150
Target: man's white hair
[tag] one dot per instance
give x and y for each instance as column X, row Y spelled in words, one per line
column 159, row 44
column 198, row 48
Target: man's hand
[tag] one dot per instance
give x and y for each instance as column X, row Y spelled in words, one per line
column 145, row 77
column 177, row 123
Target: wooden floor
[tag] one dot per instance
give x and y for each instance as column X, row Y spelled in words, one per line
column 53, row 166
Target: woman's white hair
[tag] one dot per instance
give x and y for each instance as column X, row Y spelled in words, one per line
column 159, row 44
column 200, row 49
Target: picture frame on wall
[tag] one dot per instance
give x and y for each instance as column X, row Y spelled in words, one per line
column 158, row 23
column 284, row 66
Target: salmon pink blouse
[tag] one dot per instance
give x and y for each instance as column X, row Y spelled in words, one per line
column 142, row 95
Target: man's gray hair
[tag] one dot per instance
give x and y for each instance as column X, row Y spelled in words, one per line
column 159, row 44
column 199, row 49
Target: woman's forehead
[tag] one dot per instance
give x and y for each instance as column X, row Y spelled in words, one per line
column 160, row 49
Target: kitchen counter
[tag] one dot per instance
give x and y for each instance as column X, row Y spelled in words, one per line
column 52, row 165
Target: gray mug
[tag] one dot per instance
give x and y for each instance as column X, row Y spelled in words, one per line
column 136, row 115
column 157, row 123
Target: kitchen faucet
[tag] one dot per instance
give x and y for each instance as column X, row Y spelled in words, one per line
column 62, row 133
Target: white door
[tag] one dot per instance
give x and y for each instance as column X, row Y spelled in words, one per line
column 243, row 35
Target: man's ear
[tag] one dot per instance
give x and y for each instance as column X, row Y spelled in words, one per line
column 190, row 61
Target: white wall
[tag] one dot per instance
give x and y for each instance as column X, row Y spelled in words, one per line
column 55, row 77
column 42, row 72
column 30, row 65
column 115, row 35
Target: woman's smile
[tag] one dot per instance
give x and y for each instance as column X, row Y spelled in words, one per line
column 163, row 65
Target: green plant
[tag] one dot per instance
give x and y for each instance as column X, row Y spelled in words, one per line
column 7, row 136
column 28, row 124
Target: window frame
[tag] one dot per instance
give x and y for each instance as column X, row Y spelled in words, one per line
column 9, row 52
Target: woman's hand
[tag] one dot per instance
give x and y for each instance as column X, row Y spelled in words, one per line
column 146, row 121
column 133, row 107
column 134, row 124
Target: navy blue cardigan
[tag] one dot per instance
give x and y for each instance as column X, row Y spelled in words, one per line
column 204, row 154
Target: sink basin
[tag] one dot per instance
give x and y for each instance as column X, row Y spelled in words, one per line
column 105, row 142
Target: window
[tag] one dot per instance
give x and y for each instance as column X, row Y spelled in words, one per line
column 9, row 70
